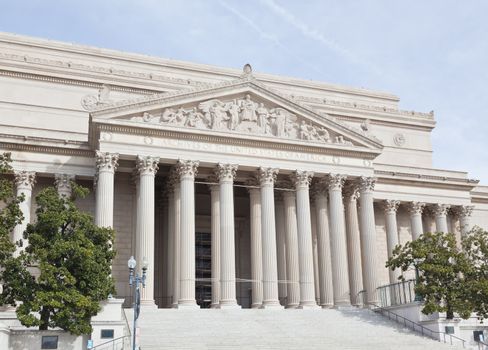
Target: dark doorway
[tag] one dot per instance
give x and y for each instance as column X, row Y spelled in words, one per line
column 203, row 264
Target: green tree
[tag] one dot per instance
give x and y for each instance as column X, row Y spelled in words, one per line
column 475, row 246
column 10, row 213
column 441, row 268
column 72, row 258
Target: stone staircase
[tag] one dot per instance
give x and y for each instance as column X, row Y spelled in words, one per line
column 276, row 329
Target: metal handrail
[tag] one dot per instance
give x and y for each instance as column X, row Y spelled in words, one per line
column 110, row 341
column 413, row 324
column 481, row 345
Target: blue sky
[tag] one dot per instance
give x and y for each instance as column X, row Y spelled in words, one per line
column 433, row 54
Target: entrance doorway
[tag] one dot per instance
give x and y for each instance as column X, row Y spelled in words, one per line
column 203, row 269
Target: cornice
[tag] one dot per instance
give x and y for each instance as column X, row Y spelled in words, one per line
column 45, row 145
column 393, row 177
column 236, row 139
column 158, row 62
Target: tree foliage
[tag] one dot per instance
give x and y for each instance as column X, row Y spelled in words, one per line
column 10, row 213
column 72, row 258
column 442, row 271
column 475, row 246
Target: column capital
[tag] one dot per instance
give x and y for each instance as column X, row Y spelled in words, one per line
column 390, row 206
column 415, row 208
column 226, row 172
column 462, row 211
column 351, row 191
column 106, row 161
column 335, row 181
column 147, row 165
column 440, row 209
column 63, row 182
column 25, row 179
column 302, row 178
column 366, row 184
column 187, row 168
column 267, row 176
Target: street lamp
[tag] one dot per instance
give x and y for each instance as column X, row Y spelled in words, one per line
column 135, row 281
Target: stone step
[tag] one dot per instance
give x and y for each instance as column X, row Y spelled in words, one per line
column 276, row 329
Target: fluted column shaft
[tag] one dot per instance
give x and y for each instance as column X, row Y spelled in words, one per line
column 24, row 180
column 353, row 243
column 146, row 169
column 170, row 257
column 177, row 240
column 440, row 213
column 281, row 249
column 291, row 236
column 106, row 166
column 323, row 248
column 316, row 279
column 215, row 232
column 256, row 248
column 391, row 207
column 226, row 174
column 338, row 244
column 415, row 209
column 187, row 170
column 63, row 184
column 305, row 248
column 368, row 238
column 267, row 177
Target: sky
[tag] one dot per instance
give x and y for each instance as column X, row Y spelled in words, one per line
column 432, row 54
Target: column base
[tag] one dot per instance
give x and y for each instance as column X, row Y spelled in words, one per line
column 230, row 306
column 256, row 306
column 148, row 304
column 215, row 306
column 327, row 306
column 189, row 306
column 272, row 306
column 292, row 306
column 309, row 306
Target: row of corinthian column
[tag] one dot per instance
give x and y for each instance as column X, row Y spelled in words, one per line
column 282, row 255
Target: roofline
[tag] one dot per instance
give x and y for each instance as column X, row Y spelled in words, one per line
column 178, row 64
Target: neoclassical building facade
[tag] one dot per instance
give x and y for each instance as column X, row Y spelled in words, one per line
column 240, row 189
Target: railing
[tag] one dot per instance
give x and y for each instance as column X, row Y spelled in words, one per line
column 398, row 293
column 482, row 345
column 417, row 327
column 114, row 344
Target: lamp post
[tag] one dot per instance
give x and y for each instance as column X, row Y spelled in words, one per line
column 135, row 280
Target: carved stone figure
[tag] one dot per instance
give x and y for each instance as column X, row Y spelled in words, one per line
column 305, row 133
column 233, row 109
column 248, row 109
column 168, row 116
column 262, row 116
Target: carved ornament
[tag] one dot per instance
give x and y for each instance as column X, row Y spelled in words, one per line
column 267, row 176
column 106, row 161
column 187, row 168
column 25, row 179
column 390, row 206
column 147, row 165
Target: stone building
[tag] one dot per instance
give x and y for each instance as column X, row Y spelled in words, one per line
column 241, row 189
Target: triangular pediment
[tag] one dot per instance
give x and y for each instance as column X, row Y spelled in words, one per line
column 239, row 107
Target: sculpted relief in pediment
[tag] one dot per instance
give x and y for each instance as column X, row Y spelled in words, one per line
column 243, row 116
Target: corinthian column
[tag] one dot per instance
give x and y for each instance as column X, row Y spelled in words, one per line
column 215, row 232
column 368, row 238
column 106, row 165
column 187, row 170
column 267, row 177
column 351, row 194
column 305, row 248
column 280, row 245
column 291, row 237
column 256, row 247
column 415, row 209
column 338, row 243
column 63, row 184
column 464, row 214
column 226, row 174
column 146, row 169
column 176, row 222
column 440, row 213
column 323, row 246
column 24, row 180
column 391, row 207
